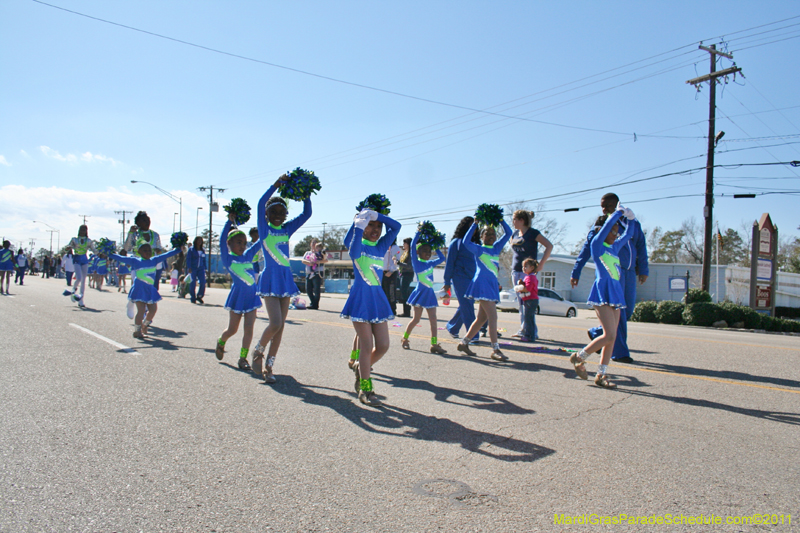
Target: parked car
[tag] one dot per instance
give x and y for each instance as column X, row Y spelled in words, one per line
column 550, row 303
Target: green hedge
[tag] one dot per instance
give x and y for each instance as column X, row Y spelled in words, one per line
column 702, row 314
column 696, row 295
column 645, row 312
column 669, row 312
column 733, row 313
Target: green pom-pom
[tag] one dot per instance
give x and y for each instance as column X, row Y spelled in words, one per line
column 300, row 185
column 106, row 246
column 240, row 210
column 489, row 215
column 375, row 202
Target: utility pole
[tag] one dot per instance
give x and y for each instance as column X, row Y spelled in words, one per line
column 712, row 106
column 84, row 218
column 211, row 208
column 123, row 222
column 323, row 235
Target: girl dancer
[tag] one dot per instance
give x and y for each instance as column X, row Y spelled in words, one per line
column 242, row 300
column 122, row 273
column 80, row 245
column 143, row 292
column 367, row 306
column 484, row 286
column 6, row 265
column 458, row 272
column 423, row 296
column 101, row 271
column 275, row 284
column 606, row 295
column 196, row 266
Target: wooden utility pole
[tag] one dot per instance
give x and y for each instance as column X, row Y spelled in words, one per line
column 211, row 206
column 711, row 77
column 124, row 235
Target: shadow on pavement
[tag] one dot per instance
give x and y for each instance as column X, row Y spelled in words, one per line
column 444, row 394
column 410, row 424
column 785, row 418
column 720, row 374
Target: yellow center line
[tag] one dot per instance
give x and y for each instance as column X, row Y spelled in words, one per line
column 561, row 358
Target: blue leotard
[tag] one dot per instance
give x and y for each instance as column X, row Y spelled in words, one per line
column 423, row 294
column 243, row 298
column 607, row 289
column 484, row 285
column 144, row 276
column 276, row 280
column 367, row 302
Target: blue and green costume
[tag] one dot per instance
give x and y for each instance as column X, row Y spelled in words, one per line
column 423, row 294
column 484, row 285
column 243, row 298
column 144, row 275
column 607, row 288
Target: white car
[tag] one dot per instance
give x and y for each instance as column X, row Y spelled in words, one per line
column 550, row 303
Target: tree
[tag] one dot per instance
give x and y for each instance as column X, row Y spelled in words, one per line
column 211, row 245
column 732, row 250
column 334, row 240
column 40, row 255
column 692, row 241
column 666, row 247
column 303, row 246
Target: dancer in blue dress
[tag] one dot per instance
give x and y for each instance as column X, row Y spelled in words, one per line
column 423, row 296
column 92, row 271
column 80, row 246
column 484, row 287
column 143, row 292
column 6, row 265
column 242, row 300
column 606, row 296
column 276, row 284
column 367, row 306
column 122, row 273
column 101, row 271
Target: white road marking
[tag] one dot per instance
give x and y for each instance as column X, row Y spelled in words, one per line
column 122, row 347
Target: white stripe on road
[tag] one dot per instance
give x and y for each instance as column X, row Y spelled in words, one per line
column 122, row 347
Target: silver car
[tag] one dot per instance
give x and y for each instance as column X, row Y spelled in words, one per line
column 550, row 303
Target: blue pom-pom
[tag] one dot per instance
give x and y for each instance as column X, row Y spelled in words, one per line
column 430, row 236
column 300, row 185
column 106, row 246
column 179, row 239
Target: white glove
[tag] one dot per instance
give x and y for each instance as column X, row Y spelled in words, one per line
column 373, row 215
column 361, row 220
column 626, row 211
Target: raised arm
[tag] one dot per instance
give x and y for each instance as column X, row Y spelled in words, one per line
column 499, row 245
column 441, row 258
column 452, row 252
column 600, row 237
column 415, row 263
column 125, row 259
column 261, row 209
column 392, row 229
column 295, row 224
column 467, row 241
column 224, row 253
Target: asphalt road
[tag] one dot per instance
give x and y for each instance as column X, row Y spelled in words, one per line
column 157, row 435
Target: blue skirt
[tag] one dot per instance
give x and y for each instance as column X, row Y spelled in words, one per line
column 123, row 269
column 483, row 289
column 607, row 291
column 277, row 282
column 423, row 297
column 6, row 266
column 367, row 303
column 242, row 299
column 143, row 292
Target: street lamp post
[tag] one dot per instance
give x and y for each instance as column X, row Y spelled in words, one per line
column 197, row 222
column 173, row 221
column 51, row 230
column 173, row 197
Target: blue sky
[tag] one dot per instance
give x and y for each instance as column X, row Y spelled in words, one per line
column 88, row 106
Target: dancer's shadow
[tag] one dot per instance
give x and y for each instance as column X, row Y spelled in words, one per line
column 404, row 423
column 155, row 343
column 720, row 374
column 447, row 395
column 159, row 332
column 90, row 310
column 774, row 416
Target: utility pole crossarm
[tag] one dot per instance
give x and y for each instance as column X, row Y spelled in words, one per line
column 714, row 75
column 713, row 50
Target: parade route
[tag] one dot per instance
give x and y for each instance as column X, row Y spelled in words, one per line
column 104, row 432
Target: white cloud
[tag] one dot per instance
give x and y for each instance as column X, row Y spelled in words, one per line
column 4, row 162
column 63, row 209
column 87, row 157
column 23, row 153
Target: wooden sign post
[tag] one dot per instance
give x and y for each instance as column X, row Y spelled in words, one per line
column 764, row 265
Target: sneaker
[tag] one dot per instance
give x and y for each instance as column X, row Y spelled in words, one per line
column 602, row 381
column 200, row 300
column 517, row 335
column 243, row 364
column 369, row 398
column 580, row 366
column 67, row 292
column 465, row 348
column 497, row 355
column 437, row 349
column 627, row 359
column 219, row 351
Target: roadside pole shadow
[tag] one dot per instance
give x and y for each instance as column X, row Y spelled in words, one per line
column 475, row 400
column 413, row 425
column 720, row 374
column 774, row 416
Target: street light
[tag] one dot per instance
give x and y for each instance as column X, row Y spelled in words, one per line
column 51, row 230
column 197, row 222
column 175, row 198
column 173, row 221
